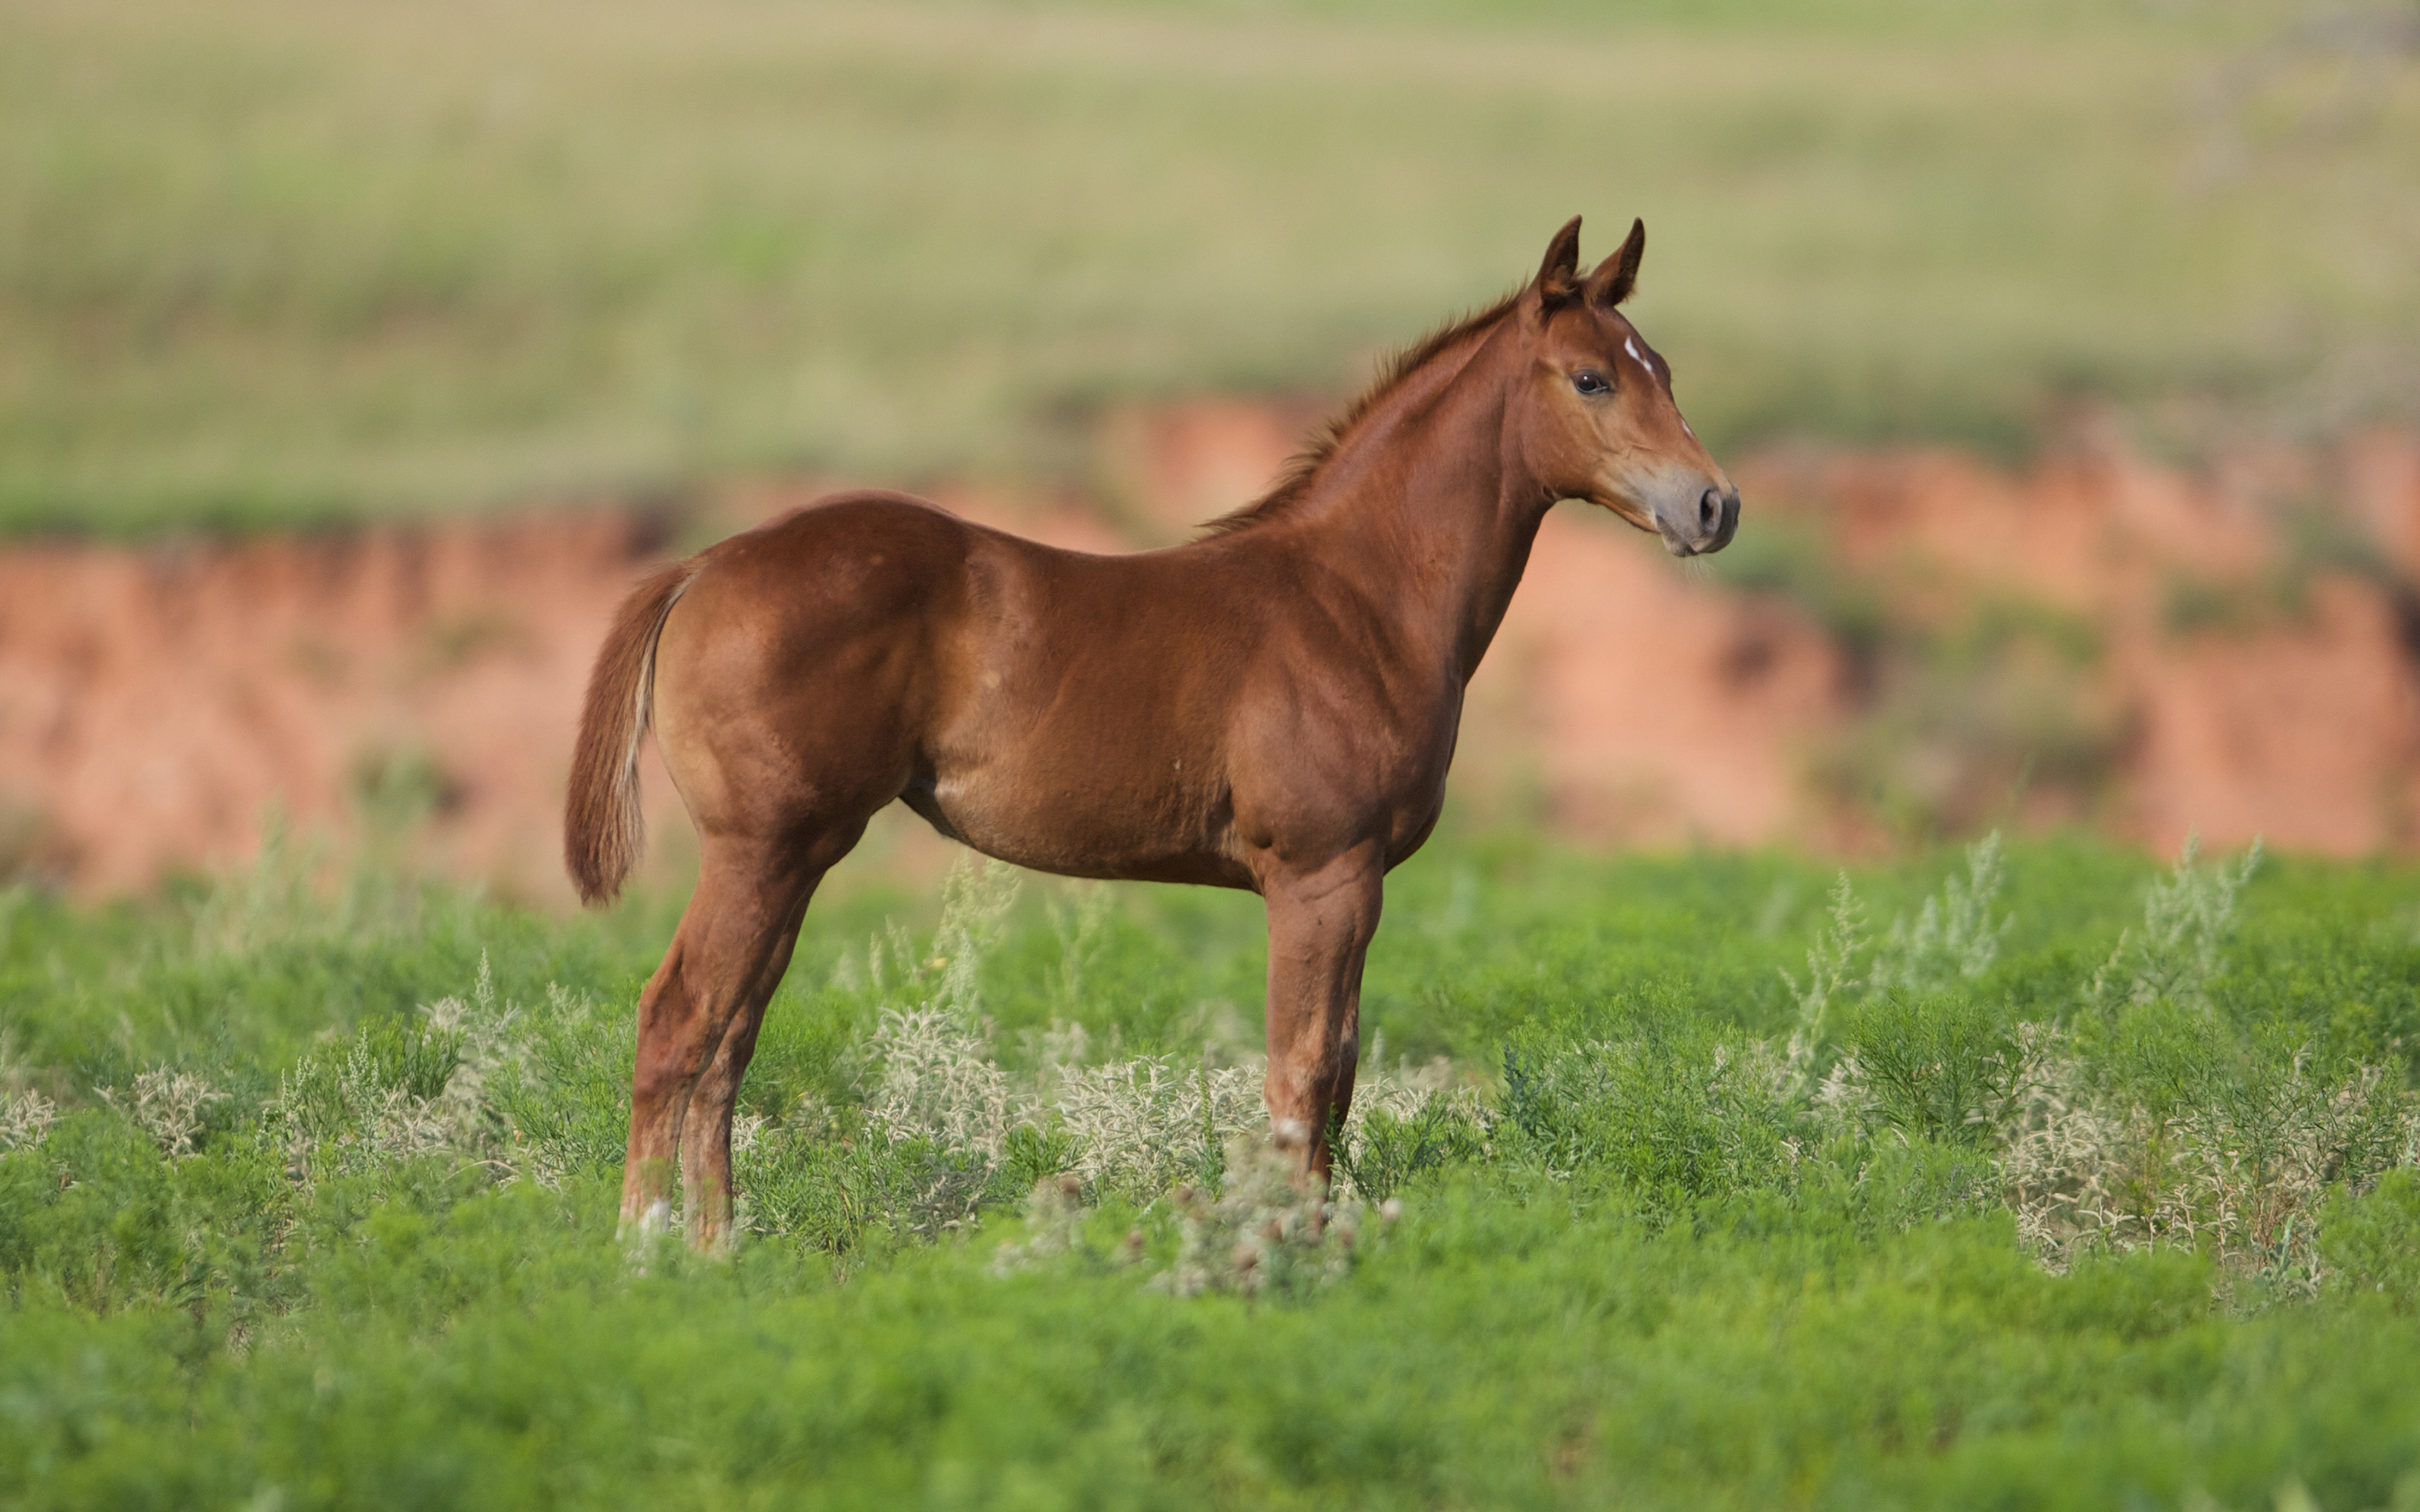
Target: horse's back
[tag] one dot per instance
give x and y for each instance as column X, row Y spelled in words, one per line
column 861, row 551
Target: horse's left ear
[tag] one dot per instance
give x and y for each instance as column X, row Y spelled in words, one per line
column 1618, row 275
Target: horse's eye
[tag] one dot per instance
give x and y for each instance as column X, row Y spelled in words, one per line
column 1588, row 380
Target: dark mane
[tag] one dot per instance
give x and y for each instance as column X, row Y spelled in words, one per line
column 1295, row 481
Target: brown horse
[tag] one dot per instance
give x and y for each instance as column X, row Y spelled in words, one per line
column 1271, row 707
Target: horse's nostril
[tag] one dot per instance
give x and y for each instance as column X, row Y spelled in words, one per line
column 1710, row 511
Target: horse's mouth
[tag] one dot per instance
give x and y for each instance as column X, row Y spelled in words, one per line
column 1704, row 525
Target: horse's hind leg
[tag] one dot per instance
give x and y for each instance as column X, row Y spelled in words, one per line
column 725, row 960
column 706, row 1128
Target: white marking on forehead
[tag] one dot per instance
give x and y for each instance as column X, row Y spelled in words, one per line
column 1684, row 425
column 1628, row 347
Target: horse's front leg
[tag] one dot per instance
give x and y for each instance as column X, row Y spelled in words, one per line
column 1320, row 924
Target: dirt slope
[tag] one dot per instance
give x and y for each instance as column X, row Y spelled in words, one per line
column 2225, row 660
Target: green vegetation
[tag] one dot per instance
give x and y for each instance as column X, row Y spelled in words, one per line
column 266, row 261
column 2044, row 1179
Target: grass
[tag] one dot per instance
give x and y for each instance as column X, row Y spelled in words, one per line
column 2044, row 1179
column 265, row 262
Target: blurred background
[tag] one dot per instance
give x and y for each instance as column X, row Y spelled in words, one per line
column 355, row 359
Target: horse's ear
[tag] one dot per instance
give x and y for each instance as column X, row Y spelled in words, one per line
column 1559, row 276
column 1618, row 275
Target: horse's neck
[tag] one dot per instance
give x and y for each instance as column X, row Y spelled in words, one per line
column 1421, row 507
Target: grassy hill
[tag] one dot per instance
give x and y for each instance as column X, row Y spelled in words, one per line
column 2053, row 1180
column 263, row 260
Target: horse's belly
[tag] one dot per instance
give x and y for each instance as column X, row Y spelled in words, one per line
column 1077, row 820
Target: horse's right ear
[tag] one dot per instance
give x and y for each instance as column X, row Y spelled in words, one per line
column 1559, row 275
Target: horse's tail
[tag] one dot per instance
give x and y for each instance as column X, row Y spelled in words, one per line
column 603, row 830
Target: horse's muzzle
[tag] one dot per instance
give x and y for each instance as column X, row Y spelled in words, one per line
column 1716, row 522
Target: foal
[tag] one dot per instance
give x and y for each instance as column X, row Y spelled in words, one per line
column 1272, row 706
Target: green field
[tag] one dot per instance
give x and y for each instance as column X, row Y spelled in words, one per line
column 267, row 261
column 2053, row 1180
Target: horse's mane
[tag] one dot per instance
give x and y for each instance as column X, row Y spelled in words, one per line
column 1294, row 483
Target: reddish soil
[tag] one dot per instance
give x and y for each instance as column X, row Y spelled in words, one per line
column 2266, row 686
column 157, row 704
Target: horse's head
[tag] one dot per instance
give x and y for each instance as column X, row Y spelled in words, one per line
column 1599, row 423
